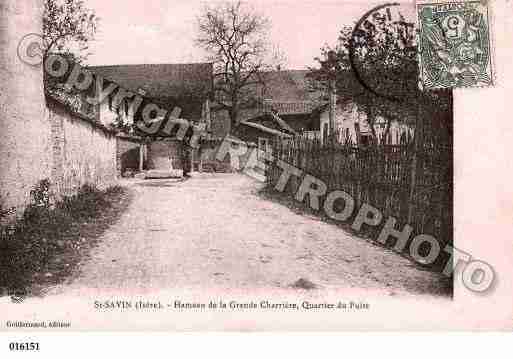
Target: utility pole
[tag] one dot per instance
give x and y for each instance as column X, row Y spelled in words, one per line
column 331, row 68
column 333, row 105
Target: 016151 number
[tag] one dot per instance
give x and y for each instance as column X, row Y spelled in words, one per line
column 23, row 347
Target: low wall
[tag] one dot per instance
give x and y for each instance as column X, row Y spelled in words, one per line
column 83, row 152
column 39, row 137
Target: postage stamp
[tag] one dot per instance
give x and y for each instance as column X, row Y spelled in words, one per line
column 454, row 45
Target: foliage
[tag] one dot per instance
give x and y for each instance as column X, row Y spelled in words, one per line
column 68, row 26
column 236, row 39
column 385, row 60
column 48, row 235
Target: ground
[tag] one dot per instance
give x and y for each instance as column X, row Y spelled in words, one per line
column 216, row 231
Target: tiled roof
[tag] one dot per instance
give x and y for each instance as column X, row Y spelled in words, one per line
column 294, row 108
column 284, row 125
column 162, row 80
column 286, row 92
column 288, row 86
column 265, row 129
column 53, row 100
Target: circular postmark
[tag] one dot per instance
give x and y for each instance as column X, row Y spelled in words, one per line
column 380, row 42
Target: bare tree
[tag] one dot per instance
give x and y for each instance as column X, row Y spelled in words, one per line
column 236, row 39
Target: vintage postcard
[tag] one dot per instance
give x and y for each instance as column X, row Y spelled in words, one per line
column 255, row 166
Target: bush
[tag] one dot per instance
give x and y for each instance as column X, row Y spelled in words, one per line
column 46, row 232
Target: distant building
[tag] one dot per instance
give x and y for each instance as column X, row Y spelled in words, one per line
column 283, row 108
column 182, row 89
column 351, row 125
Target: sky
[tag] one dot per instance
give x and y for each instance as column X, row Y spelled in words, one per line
column 163, row 31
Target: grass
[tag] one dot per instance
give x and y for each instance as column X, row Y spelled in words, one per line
column 45, row 246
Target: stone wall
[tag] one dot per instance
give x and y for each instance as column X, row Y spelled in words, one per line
column 25, row 133
column 83, row 152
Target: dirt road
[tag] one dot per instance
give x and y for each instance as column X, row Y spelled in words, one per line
column 216, row 232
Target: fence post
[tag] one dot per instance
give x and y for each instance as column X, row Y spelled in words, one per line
column 418, row 146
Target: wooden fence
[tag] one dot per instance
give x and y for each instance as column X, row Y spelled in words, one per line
column 408, row 182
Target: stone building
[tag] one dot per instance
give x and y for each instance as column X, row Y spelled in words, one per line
column 283, row 108
column 351, row 125
column 183, row 90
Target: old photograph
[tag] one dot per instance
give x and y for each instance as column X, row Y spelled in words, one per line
column 257, row 157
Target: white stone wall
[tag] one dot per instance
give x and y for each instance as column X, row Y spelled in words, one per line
column 347, row 115
column 25, row 145
column 82, row 152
